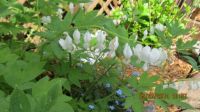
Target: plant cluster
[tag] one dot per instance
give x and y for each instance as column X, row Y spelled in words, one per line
column 158, row 23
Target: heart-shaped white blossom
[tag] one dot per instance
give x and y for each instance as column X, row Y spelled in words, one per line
column 46, row 20
column 71, row 7
column 87, row 39
column 145, row 54
column 137, row 50
column 116, row 22
column 127, row 51
column 59, row 13
column 154, row 56
column 196, row 49
column 114, row 44
column 160, row 27
column 145, row 33
column 101, row 37
column 76, row 36
column 67, row 44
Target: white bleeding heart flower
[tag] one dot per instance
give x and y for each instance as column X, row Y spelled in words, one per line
column 76, row 36
column 196, row 49
column 150, row 56
column 160, row 27
column 137, row 50
column 154, row 56
column 46, row 20
column 101, row 37
column 67, row 44
column 127, row 51
column 116, row 22
column 59, row 13
column 87, row 39
column 145, row 54
column 114, row 44
column 71, row 7
column 145, row 33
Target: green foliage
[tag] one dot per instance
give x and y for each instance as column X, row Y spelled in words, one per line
column 141, row 15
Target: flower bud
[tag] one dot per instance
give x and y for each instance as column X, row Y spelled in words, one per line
column 160, row 27
column 71, row 7
column 46, row 20
column 67, row 44
column 76, row 36
column 145, row 33
column 137, row 50
column 154, row 56
column 145, row 54
column 101, row 36
column 127, row 51
column 87, row 39
column 59, row 13
column 113, row 45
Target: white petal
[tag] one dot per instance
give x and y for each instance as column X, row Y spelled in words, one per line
column 154, row 56
column 137, row 50
column 67, row 44
column 87, row 37
column 145, row 54
column 113, row 45
column 162, row 58
column 62, row 44
column 127, row 51
column 101, row 36
column 60, row 13
column 71, row 7
column 160, row 27
column 76, row 36
column 46, row 19
column 145, row 33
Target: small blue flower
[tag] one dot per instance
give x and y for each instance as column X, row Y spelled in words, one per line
column 119, row 92
column 91, row 107
column 112, row 107
column 107, row 85
column 136, row 74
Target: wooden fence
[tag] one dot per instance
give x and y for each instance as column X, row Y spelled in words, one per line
column 105, row 6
